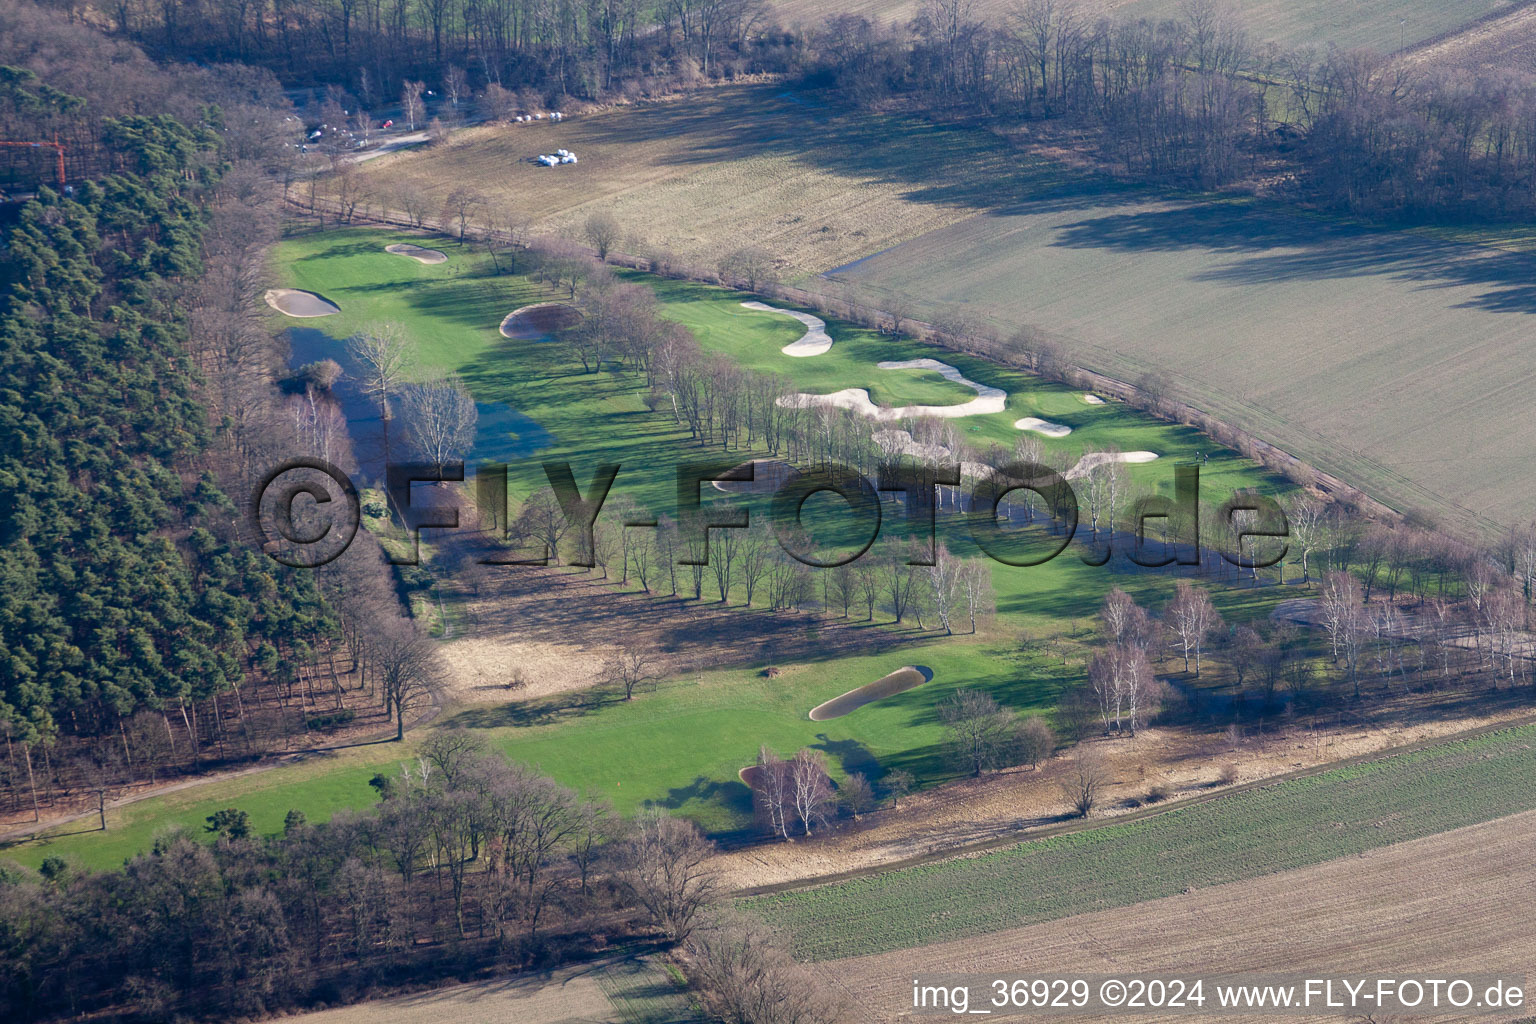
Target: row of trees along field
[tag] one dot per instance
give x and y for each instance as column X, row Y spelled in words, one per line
column 578, row 47
column 467, row 861
column 140, row 632
column 1191, row 100
column 1194, row 99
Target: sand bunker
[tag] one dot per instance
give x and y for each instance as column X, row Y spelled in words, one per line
column 530, row 323
column 1087, row 462
column 768, row 475
column 906, row 678
column 296, row 303
column 1045, row 427
column 417, row 253
column 988, row 399
column 1093, row 399
column 813, row 342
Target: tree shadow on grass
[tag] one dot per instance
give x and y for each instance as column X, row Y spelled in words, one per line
column 733, row 796
column 852, row 755
column 537, row 711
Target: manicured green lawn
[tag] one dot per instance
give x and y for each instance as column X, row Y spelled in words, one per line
column 682, row 745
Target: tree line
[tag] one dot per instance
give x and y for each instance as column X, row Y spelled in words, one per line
column 143, row 631
column 562, row 48
column 466, row 861
column 1195, row 99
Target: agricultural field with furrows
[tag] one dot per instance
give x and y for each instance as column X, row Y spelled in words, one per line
column 727, row 168
column 1391, row 359
column 1505, row 41
column 630, row 991
column 1381, row 25
column 1275, row 828
column 1461, row 901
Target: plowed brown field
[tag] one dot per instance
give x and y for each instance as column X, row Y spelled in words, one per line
column 1460, row 901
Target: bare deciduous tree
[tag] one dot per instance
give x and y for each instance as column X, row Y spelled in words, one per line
column 440, row 417
column 602, row 233
column 1191, row 617
column 668, row 865
column 1085, row 778
column 628, row 669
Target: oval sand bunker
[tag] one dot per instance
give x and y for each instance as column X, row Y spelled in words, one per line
column 302, row 304
column 768, row 475
column 1041, row 426
column 540, row 320
column 417, row 253
column 908, row 677
column 1086, row 464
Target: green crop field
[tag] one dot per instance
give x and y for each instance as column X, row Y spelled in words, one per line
column 1275, row 828
column 1381, row 25
column 683, row 744
column 1394, row 360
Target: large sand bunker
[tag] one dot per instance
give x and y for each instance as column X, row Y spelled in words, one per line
column 1093, row 399
column 768, row 475
column 988, row 399
column 906, row 678
column 1041, row 426
column 1086, row 464
column 530, row 323
column 417, row 253
column 302, row 304
column 813, row 342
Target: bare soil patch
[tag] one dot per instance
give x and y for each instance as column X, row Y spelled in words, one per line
column 301, row 304
column 1502, row 41
column 539, row 321
column 418, row 253
column 571, row 996
column 908, row 677
column 557, row 625
column 1460, row 901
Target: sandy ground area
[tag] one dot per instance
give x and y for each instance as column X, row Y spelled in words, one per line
column 1012, row 802
column 988, row 399
column 1041, row 426
column 1455, row 903
column 418, row 253
column 1093, row 399
column 814, row 342
column 557, row 625
column 295, row 303
column 571, row 996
